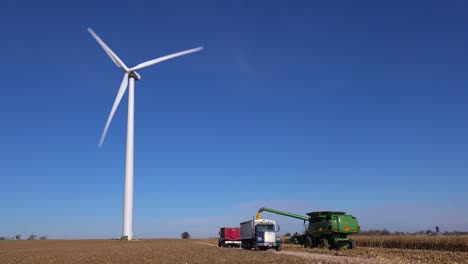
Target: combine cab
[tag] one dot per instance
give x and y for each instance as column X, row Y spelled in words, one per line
column 326, row 229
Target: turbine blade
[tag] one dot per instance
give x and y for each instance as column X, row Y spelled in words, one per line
column 109, row 52
column 119, row 96
column 164, row 58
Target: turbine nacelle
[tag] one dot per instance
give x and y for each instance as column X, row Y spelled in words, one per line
column 135, row 75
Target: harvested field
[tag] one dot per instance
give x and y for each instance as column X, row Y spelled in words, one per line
column 144, row 251
column 201, row 251
column 390, row 254
column 382, row 255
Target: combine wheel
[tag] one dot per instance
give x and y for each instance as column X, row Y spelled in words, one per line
column 324, row 243
column 219, row 243
column 308, row 242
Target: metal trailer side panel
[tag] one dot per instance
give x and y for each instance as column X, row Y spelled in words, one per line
column 234, row 233
column 247, row 228
column 230, row 233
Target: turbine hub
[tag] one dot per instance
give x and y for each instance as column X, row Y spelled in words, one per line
column 135, row 75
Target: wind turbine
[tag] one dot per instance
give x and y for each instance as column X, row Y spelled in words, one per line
column 129, row 80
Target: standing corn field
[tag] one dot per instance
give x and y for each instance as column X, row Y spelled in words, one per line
column 446, row 243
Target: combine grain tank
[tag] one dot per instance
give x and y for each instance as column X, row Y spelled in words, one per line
column 229, row 237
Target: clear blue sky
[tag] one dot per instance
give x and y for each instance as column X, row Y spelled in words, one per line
column 358, row 106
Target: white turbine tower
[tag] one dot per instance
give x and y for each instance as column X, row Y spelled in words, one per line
column 129, row 80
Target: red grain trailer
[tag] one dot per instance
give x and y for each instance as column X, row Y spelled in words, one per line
column 229, row 237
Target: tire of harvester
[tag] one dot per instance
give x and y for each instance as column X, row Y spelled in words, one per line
column 308, row 242
column 219, row 243
column 324, row 243
column 352, row 244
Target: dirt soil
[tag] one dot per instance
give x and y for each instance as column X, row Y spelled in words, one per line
column 161, row 251
column 143, row 251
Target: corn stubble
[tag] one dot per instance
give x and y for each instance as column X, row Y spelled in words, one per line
column 403, row 249
column 207, row 251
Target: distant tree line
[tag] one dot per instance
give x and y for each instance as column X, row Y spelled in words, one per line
column 20, row 237
column 385, row 232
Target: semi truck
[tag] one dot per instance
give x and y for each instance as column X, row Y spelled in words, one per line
column 326, row 229
column 260, row 234
column 229, row 237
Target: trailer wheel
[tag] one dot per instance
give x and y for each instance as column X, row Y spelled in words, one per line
column 247, row 246
column 352, row 244
column 308, row 242
column 324, row 243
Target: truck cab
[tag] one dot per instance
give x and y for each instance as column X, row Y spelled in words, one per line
column 260, row 234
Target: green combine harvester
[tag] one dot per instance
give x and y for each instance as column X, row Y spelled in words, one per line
column 326, row 229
